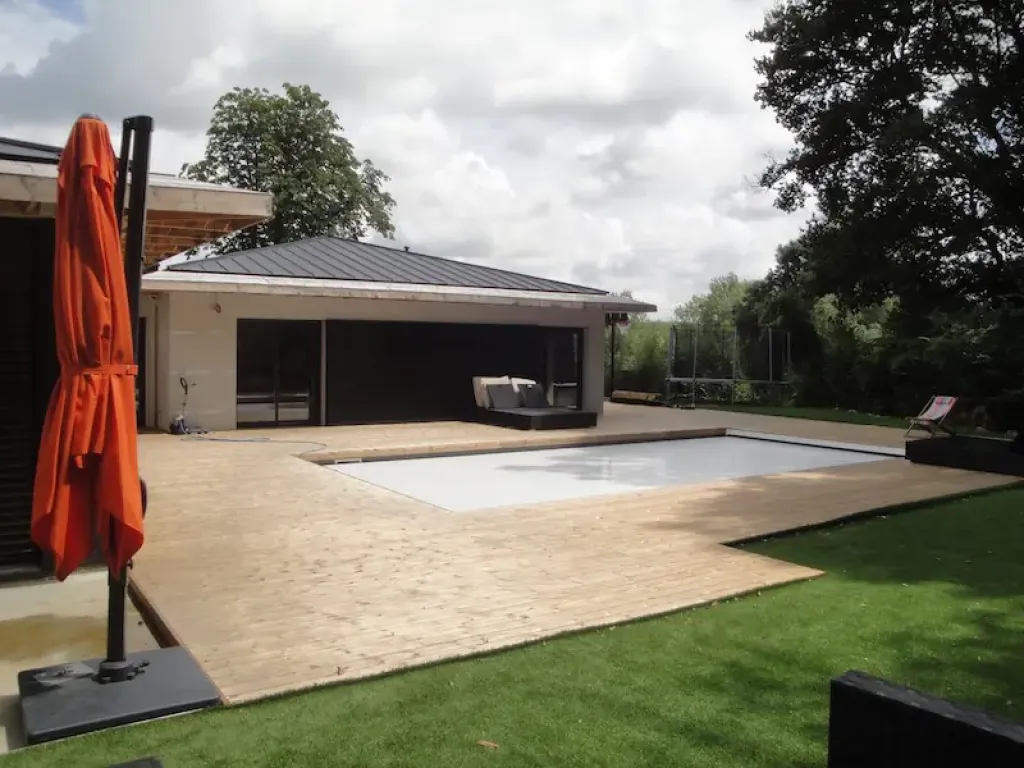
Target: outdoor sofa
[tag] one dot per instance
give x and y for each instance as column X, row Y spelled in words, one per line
column 522, row 404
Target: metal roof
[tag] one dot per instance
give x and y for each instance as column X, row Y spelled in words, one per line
column 333, row 258
column 175, row 281
column 15, row 149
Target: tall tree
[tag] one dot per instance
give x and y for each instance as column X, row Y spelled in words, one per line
column 908, row 117
column 292, row 145
column 716, row 308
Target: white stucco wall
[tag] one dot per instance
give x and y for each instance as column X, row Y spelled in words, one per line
column 189, row 337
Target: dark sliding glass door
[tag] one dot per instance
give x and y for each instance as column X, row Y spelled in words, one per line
column 278, row 372
column 565, row 367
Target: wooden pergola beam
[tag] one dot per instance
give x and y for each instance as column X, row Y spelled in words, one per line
column 181, row 214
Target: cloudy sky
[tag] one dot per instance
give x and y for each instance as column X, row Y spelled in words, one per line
column 608, row 142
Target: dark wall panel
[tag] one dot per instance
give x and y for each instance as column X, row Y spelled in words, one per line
column 140, row 380
column 28, row 372
column 391, row 372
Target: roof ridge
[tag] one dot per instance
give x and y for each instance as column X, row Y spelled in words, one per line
column 20, row 151
column 31, row 144
column 499, row 270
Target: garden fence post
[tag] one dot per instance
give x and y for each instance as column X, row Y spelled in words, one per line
column 693, row 380
column 735, row 353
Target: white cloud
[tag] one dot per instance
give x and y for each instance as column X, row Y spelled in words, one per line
column 213, row 71
column 27, row 30
column 610, row 142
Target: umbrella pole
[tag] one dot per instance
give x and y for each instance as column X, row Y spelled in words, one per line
column 116, row 667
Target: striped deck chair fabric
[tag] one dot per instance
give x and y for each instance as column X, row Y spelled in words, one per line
column 932, row 416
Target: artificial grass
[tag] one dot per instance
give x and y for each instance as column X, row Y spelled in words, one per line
column 817, row 414
column 932, row 598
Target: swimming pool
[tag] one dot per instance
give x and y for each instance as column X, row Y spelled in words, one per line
column 486, row 480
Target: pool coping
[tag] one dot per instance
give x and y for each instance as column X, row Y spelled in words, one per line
column 880, row 450
column 545, row 443
column 584, row 441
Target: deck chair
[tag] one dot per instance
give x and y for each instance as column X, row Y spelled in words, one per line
column 932, row 416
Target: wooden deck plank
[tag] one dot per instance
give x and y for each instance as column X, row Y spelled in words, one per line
column 281, row 575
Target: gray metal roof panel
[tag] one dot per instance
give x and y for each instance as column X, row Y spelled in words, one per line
column 332, row 258
column 28, row 151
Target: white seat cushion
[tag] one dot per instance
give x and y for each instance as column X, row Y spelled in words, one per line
column 516, row 382
column 480, row 388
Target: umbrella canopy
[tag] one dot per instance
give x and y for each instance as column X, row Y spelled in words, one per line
column 87, row 476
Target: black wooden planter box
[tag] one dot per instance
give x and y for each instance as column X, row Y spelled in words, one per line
column 875, row 724
column 980, row 454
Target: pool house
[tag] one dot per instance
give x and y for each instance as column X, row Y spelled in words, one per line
column 327, row 332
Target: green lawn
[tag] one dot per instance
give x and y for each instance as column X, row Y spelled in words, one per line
column 819, row 414
column 933, row 598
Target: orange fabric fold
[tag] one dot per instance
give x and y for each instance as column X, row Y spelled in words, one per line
column 87, row 474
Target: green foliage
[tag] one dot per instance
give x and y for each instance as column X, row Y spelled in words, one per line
column 292, row 145
column 908, row 121
column 909, row 127
column 885, row 359
column 641, row 359
column 716, row 308
column 706, row 335
column 849, row 345
column 878, row 358
column 641, row 355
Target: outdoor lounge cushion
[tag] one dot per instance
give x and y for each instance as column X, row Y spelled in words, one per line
column 480, row 384
column 518, row 382
column 532, row 396
column 503, row 397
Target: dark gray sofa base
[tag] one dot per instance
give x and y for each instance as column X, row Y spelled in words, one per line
column 539, row 418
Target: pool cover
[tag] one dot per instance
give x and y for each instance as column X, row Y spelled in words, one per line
column 488, row 480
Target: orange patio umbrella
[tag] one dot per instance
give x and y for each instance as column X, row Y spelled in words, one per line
column 87, row 486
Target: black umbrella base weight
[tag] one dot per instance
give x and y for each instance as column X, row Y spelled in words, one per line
column 69, row 699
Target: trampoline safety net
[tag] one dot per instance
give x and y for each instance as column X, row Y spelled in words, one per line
column 725, row 364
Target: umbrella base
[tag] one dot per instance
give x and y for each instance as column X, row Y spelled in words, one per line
column 68, row 699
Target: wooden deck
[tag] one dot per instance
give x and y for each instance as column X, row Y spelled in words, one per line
column 619, row 422
column 280, row 575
